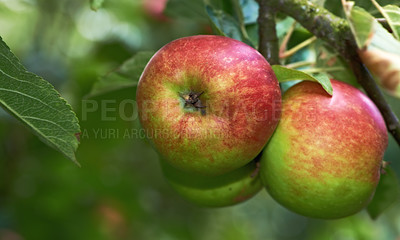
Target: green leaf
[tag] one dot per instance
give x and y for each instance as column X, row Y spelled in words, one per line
column 239, row 12
column 361, row 23
column 375, row 36
column 36, row 103
column 224, row 24
column 386, row 194
column 392, row 15
column 126, row 75
column 381, row 56
column 96, row 4
column 385, row 41
column 186, row 9
column 284, row 74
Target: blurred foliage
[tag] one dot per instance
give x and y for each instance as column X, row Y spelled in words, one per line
column 119, row 192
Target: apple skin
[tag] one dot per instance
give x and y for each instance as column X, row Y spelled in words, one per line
column 324, row 158
column 241, row 97
column 215, row 191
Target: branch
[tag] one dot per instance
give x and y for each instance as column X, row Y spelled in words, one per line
column 336, row 32
column 268, row 40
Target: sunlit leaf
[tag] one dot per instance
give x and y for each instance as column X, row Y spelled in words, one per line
column 393, row 18
column 126, row 75
column 284, row 74
column 375, row 36
column 382, row 57
column 392, row 15
column 386, row 194
column 35, row 103
column 361, row 23
column 379, row 50
column 96, row 4
column 337, row 9
column 385, row 41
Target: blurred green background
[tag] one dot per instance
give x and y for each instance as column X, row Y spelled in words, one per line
column 119, row 192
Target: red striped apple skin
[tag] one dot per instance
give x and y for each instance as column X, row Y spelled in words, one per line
column 241, row 97
column 324, row 158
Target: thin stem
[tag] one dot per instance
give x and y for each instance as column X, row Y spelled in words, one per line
column 299, row 46
column 299, row 64
column 286, row 39
column 268, row 40
column 318, row 70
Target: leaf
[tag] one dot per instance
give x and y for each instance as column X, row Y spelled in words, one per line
column 284, row 74
column 379, row 50
column 377, row 37
column 361, row 23
column 382, row 57
column 186, row 9
column 392, row 15
column 386, row 194
column 96, row 4
column 337, row 9
column 126, row 75
column 36, row 103
column 226, row 25
column 385, row 41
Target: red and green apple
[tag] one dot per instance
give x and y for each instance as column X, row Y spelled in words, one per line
column 209, row 104
column 325, row 156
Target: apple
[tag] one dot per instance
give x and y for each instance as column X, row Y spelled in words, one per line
column 155, row 8
column 215, row 191
column 208, row 103
column 325, row 156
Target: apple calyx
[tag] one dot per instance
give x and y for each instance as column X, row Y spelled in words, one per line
column 192, row 101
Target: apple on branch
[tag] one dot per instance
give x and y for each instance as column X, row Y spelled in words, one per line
column 325, row 156
column 210, row 103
